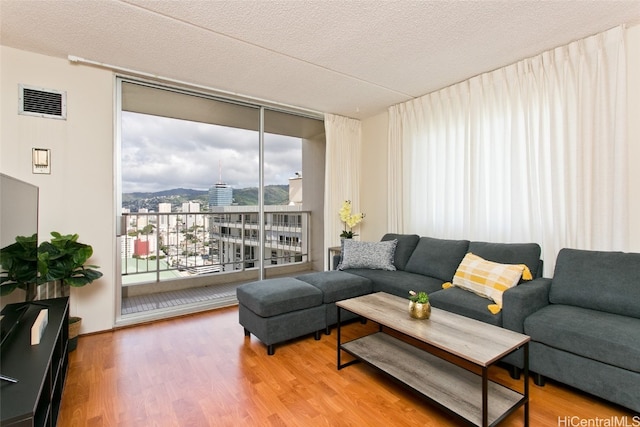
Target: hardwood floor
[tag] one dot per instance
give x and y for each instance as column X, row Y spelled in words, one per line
column 201, row 370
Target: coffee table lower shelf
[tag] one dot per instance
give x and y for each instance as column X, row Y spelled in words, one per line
column 451, row 386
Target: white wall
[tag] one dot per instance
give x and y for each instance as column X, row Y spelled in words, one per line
column 78, row 195
column 375, row 129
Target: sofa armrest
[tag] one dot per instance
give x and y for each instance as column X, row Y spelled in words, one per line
column 523, row 300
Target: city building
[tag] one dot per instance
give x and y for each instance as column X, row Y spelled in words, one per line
column 190, row 220
column 235, row 232
column 165, row 221
column 220, row 194
column 295, row 189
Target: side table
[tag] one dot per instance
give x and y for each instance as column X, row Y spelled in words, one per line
column 333, row 250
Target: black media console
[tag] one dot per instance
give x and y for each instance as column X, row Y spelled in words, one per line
column 39, row 371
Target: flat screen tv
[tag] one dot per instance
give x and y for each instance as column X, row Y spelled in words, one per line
column 18, row 217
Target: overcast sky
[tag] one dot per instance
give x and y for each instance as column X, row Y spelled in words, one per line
column 160, row 154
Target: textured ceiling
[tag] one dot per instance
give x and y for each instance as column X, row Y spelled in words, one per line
column 351, row 58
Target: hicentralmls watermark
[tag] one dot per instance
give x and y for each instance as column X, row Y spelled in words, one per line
column 615, row 421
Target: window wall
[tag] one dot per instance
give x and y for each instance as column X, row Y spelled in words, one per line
column 214, row 190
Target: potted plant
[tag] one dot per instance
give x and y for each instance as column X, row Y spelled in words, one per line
column 26, row 265
column 19, row 263
column 62, row 260
column 350, row 220
column 419, row 307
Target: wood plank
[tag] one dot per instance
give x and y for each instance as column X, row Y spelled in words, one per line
column 451, row 386
column 117, row 379
column 470, row 339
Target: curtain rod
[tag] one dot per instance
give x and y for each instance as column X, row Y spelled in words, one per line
column 262, row 102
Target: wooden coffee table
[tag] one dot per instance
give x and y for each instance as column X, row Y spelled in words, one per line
column 471, row 396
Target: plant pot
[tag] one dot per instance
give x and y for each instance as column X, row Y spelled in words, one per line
column 74, row 332
column 419, row 311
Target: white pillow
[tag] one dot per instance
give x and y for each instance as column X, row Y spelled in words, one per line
column 373, row 255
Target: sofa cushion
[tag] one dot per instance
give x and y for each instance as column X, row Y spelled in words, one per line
column 487, row 279
column 374, row 255
column 271, row 297
column 605, row 281
column 606, row 337
column 406, row 245
column 438, row 258
column 509, row 253
column 338, row 285
column 464, row 303
column 399, row 282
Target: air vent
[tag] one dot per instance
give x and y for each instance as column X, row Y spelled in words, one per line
column 40, row 102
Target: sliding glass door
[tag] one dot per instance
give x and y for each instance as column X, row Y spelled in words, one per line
column 211, row 191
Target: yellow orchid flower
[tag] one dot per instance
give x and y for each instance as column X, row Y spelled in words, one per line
column 350, row 220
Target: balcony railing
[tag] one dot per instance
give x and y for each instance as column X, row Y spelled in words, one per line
column 168, row 246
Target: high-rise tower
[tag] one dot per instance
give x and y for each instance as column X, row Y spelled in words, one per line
column 220, row 194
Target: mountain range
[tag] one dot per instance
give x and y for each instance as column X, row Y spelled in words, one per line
column 273, row 195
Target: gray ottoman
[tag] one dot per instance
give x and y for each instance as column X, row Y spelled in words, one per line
column 337, row 285
column 277, row 310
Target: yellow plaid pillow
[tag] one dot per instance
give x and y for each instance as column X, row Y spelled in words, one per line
column 488, row 279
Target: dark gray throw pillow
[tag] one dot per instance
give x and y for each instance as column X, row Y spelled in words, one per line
column 406, row 244
column 437, row 258
column 373, row 255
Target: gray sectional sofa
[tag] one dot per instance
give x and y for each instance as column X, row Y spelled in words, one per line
column 426, row 263
column 585, row 325
column 422, row 264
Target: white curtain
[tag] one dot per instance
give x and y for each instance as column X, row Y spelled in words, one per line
column 342, row 172
column 533, row 152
